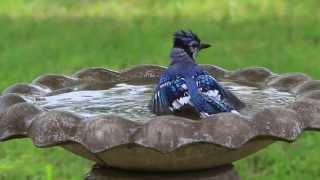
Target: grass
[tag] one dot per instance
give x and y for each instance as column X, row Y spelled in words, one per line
column 38, row 37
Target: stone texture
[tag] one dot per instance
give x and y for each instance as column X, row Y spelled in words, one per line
column 171, row 143
column 226, row 172
column 55, row 82
column 16, row 121
column 55, row 127
column 96, row 75
column 8, row 100
column 278, row 122
column 315, row 94
column 27, row 89
column 310, row 85
column 142, row 72
column 288, row 81
column 215, row 71
column 309, row 112
column 251, row 75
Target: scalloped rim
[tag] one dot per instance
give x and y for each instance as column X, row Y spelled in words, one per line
column 210, row 130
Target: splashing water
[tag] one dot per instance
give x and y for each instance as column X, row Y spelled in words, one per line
column 131, row 101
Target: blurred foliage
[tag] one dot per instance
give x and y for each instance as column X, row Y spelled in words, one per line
column 63, row 36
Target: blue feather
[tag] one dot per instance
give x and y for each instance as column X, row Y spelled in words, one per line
column 186, row 86
column 176, row 87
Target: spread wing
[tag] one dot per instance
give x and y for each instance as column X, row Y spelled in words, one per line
column 213, row 92
column 171, row 95
column 202, row 93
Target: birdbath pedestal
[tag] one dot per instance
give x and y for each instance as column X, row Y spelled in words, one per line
column 226, row 172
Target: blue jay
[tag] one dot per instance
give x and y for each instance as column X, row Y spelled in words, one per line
column 185, row 88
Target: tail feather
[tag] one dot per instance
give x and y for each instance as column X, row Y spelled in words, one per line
column 197, row 99
column 204, row 103
column 218, row 105
column 160, row 103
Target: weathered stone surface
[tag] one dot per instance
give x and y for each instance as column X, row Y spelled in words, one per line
column 147, row 72
column 97, row 75
column 82, row 151
column 55, row 82
column 278, row 122
column 215, row 71
column 195, row 156
column 251, row 75
column 226, row 172
column 311, row 95
column 309, row 112
column 27, row 89
column 55, row 127
column 171, row 143
column 8, row 100
column 310, row 85
column 116, row 132
column 286, row 82
column 16, row 121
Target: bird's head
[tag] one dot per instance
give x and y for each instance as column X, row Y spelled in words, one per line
column 189, row 42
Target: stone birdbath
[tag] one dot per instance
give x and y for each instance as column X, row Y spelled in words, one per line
column 102, row 115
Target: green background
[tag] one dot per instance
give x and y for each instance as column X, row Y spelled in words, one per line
column 63, row 36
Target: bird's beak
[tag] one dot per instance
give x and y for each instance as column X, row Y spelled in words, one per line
column 204, row 46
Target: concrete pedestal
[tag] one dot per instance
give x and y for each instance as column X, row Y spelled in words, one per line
column 226, row 172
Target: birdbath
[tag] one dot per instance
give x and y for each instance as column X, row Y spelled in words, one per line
column 102, row 115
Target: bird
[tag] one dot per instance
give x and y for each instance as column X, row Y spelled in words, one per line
column 185, row 88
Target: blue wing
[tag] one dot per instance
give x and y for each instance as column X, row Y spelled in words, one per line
column 171, row 94
column 212, row 92
column 160, row 104
column 201, row 92
column 206, row 83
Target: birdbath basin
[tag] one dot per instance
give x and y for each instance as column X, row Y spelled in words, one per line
column 103, row 115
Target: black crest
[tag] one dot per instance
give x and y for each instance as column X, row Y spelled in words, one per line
column 183, row 38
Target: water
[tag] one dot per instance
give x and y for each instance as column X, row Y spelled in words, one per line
column 131, row 101
column 258, row 99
